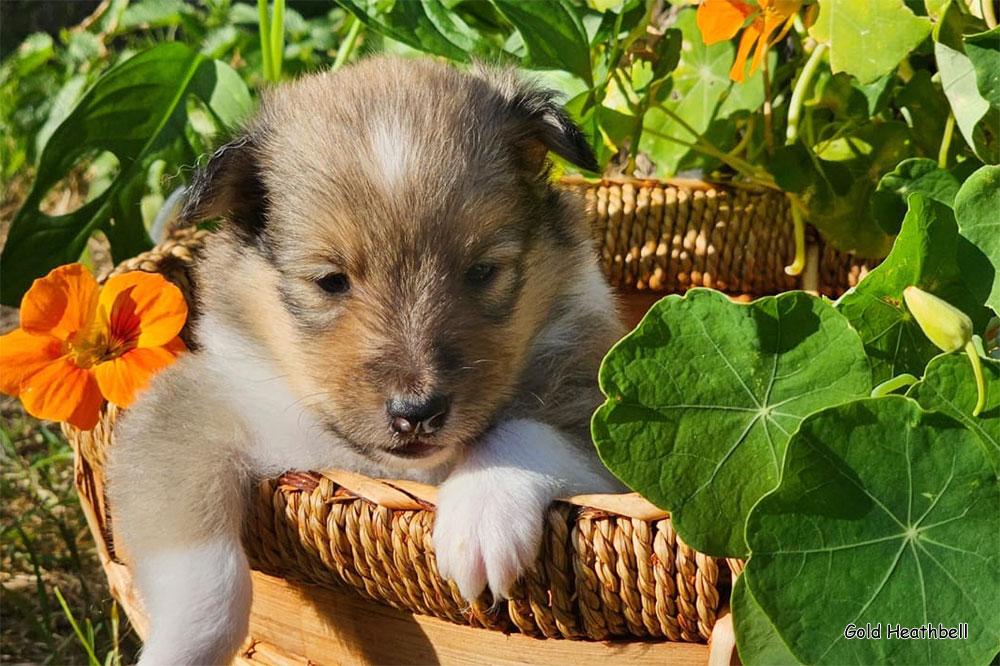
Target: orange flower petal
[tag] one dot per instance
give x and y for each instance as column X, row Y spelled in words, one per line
column 60, row 303
column 22, row 354
column 61, row 391
column 759, row 51
column 121, row 378
column 747, row 40
column 143, row 308
column 719, row 20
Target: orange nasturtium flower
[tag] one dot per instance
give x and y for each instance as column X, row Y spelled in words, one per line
column 79, row 344
column 719, row 20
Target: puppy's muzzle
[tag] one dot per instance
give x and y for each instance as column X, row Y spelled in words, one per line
column 415, row 416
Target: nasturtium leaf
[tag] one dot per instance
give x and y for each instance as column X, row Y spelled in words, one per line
column 885, row 514
column 949, row 386
column 138, row 112
column 983, row 49
column 868, row 38
column 977, row 210
column 703, row 395
column 976, row 120
column 917, row 174
column 757, row 641
column 924, row 255
column 553, row 35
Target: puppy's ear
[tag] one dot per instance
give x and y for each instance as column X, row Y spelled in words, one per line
column 229, row 186
column 537, row 123
column 545, row 126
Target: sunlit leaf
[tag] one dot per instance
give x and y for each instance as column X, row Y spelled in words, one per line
column 868, row 38
column 703, row 395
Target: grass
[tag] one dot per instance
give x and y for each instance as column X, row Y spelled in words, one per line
column 56, row 604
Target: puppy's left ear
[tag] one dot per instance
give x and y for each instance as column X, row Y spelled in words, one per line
column 542, row 125
column 535, row 122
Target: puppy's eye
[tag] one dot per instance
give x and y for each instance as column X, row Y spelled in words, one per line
column 334, row 283
column 481, row 275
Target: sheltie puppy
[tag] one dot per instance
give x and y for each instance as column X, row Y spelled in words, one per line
column 395, row 288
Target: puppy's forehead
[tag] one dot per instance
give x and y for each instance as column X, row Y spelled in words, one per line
column 389, row 153
column 409, row 130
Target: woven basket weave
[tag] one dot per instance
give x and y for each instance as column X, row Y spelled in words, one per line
column 611, row 566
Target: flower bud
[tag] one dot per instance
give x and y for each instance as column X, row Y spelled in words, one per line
column 945, row 325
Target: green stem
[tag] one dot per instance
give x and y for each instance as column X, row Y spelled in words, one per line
column 347, row 47
column 949, row 129
column 745, row 169
column 890, row 385
column 265, row 37
column 799, row 229
column 791, row 136
column 798, row 95
column 744, row 140
column 977, row 370
column 768, row 115
column 277, row 38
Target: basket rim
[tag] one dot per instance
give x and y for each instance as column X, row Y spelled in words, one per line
column 408, row 495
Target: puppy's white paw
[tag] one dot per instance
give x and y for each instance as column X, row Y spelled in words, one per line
column 488, row 528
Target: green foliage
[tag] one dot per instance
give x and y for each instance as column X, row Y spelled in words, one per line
column 885, row 514
column 977, row 207
column 138, row 112
column 983, row 49
column 925, row 255
column 78, row 109
column 736, row 382
column 868, row 38
column 749, row 424
column 553, row 35
column 915, row 175
column 978, row 121
column 757, row 641
column 948, row 386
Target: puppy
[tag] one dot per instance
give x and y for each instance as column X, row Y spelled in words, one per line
column 395, row 289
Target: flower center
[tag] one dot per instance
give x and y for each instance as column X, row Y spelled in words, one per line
column 93, row 345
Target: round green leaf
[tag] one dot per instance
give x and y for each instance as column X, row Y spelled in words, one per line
column 757, row 641
column 977, row 210
column 868, row 38
column 949, row 386
column 886, row 514
column 704, row 394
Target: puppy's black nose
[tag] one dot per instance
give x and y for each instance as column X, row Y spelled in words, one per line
column 417, row 416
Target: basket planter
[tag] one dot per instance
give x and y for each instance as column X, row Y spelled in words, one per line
column 344, row 568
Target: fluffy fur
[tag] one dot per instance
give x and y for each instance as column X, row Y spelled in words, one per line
column 388, row 232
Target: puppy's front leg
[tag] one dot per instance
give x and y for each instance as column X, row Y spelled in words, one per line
column 491, row 509
column 177, row 483
column 197, row 598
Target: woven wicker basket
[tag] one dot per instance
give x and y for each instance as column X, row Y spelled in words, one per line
column 612, row 571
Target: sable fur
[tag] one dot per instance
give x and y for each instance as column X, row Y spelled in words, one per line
column 402, row 175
